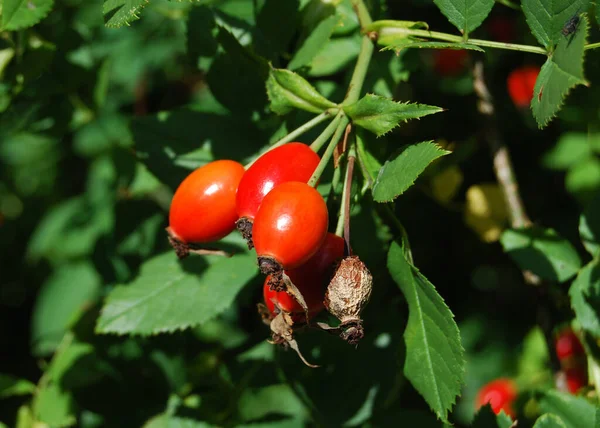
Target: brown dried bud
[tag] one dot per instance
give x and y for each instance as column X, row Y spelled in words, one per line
column 347, row 294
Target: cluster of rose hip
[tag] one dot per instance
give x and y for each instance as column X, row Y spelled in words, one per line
column 286, row 220
column 572, row 377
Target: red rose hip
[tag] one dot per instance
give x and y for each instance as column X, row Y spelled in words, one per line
column 289, row 227
column 290, row 162
column 500, row 393
column 203, row 207
column 521, row 83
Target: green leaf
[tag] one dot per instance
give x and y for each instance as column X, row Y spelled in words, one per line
column 314, row 42
column 257, row 403
column 541, row 251
column 562, row 71
column 549, row 421
column 54, row 406
column 575, row 412
column 167, row 421
column 435, row 362
column 585, row 295
column 466, row 15
column 69, row 290
column 503, row 420
column 335, row 56
column 589, row 226
column 20, row 14
column 583, row 179
column 380, row 115
column 10, row 386
column 397, row 175
column 485, row 418
column 170, row 295
column 570, row 149
column 122, row 12
column 546, row 18
column 288, row 90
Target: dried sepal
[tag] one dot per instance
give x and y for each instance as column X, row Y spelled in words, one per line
column 183, row 249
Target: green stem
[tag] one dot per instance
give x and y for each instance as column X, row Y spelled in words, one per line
column 592, row 45
column 298, row 131
column 389, row 30
column 364, row 56
column 343, row 121
column 509, row 4
column 326, row 134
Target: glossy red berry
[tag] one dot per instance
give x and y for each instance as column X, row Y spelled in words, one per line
column 311, row 279
column 567, row 345
column 500, row 393
column 450, row 62
column 576, row 379
column 289, row 227
column 521, row 83
column 290, row 162
column 203, row 207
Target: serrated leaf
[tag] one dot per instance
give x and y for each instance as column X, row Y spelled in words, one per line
column 122, row 12
column 54, row 406
column 549, row 421
column 435, row 363
column 484, row 418
column 397, row 175
column 575, row 412
column 11, row 386
column 313, row 44
column 503, row 420
column 466, row 15
column 288, row 90
column 585, row 295
column 562, row 71
column 589, row 226
column 547, row 18
column 541, row 251
column 20, row 14
column 380, row 115
column 170, row 295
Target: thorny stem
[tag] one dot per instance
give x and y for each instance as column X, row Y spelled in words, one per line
column 343, row 121
column 506, row 179
column 326, row 134
column 459, row 39
column 299, row 131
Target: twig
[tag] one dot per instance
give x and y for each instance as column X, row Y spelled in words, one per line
column 518, row 216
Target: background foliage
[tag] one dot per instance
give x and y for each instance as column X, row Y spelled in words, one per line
column 106, row 106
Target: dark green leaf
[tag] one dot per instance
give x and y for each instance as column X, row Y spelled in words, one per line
column 570, row 149
column 542, row 251
column 589, row 226
column 200, row 38
column 69, row 291
column 170, row 295
column 288, row 90
column 314, row 42
column 585, row 297
column 20, row 14
column 583, row 179
column 10, row 385
column 547, row 18
column 280, row 399
column 549, row 421
column 122, row 12
column 575, row 412
column 466, row 15
column 562, row 71
column 275, row 24
column 380, row 115
column 397, row 175
column 435, row 362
